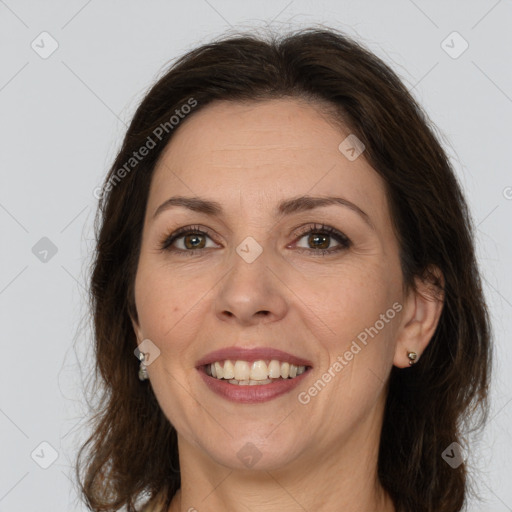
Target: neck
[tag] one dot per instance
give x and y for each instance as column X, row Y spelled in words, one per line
column 327, row 480
column 260, row 494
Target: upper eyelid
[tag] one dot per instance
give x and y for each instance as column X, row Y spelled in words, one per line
column 298, row 232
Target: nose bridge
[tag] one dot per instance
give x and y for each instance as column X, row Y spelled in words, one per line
column 250, row 288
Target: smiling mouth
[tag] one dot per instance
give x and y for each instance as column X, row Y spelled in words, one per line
column 245, row 373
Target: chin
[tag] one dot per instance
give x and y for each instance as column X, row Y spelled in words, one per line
column 253, row 454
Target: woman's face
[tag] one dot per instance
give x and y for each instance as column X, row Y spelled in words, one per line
column 265, row 274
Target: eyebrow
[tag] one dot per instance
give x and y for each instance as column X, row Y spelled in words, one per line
column 288, row 207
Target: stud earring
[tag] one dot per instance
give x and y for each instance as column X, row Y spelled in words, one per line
column 412, row 358
column 143, row 372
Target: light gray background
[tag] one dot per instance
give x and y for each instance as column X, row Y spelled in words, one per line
column 62, row 120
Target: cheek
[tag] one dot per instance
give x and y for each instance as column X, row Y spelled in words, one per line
column 160, row 291
column 171, row 304
column 164, row 305
column 160, row 302
column 353, row 298
column 354, row 325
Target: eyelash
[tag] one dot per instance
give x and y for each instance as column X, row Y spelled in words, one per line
column 321, row 229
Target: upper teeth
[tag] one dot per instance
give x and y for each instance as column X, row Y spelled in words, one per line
column 258, row 370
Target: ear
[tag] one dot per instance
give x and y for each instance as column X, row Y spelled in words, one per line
column 423, row 307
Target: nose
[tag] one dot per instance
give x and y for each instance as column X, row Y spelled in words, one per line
column 251, row 293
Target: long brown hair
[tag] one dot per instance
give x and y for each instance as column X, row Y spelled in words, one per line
column 132, row 452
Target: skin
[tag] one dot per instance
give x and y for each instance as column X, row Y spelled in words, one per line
column 321, row 455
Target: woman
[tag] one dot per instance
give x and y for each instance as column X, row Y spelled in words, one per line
column 285, row 249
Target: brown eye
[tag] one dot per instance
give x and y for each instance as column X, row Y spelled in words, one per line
column 194, row 241
column 320, row 237
column 319, row 241
column 186, row 240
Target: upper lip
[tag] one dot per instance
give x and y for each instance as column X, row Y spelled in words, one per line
column 250, row 355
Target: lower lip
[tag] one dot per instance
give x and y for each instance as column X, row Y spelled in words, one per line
column 251, row 394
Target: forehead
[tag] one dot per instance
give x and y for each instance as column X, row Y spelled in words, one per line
column 261, row 151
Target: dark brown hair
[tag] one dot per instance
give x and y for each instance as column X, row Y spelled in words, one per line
column 132, row 452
